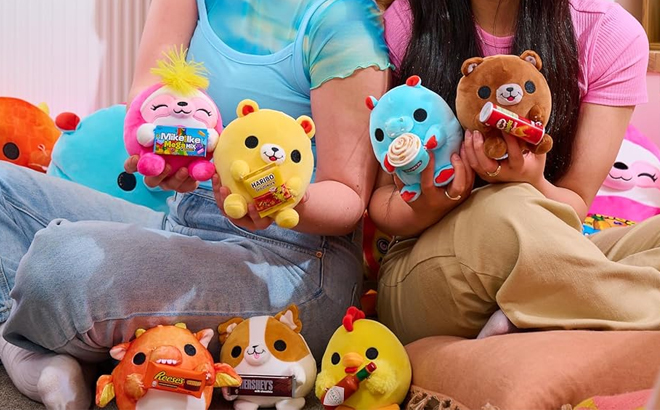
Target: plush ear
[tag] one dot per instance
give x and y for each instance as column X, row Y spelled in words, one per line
column 533, row 58
column 246, row 107
column 118, row 352
column 414, row 81
column 226, row 328
column 204, row 336
column 307, row 124
column 67, row 122
column 371, row 102
column 289, row 317
column 470, row 64
column 44, row 107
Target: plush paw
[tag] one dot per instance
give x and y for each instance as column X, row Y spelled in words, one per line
column 151, row 165
column 324, row 381
column 410, row 193
column 290, row 404
column 245, row 405
column 145, row 134
column 239, row 169
column 444, row 176
column 495, row 147
column 213, row 140
column 287, row 218
column 201, row 170
column 235, row 206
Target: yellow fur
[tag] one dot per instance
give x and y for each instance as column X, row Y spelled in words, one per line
column 183, row 76
column 235, row 158
column 382, row 381
column 324, row 381
column 387, row 385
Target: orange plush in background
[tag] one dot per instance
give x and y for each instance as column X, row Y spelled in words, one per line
column 505, row 93
column 366, row 360
column 165, row 367
column 27, row 134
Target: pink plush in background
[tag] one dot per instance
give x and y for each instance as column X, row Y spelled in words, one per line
column 632, row 187
column 628, row 401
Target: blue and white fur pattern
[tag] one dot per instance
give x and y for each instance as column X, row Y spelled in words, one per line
column 413, row 109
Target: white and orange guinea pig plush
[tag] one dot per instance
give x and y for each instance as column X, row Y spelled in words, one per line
column 268, row 346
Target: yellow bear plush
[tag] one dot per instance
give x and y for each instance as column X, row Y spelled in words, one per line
column 265, row 157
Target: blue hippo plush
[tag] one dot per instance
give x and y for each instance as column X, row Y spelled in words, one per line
column 409, row 123
column 91, row 152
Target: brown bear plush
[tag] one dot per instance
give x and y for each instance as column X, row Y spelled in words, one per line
column 510, row 82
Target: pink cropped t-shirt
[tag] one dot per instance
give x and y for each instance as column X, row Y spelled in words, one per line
column 612, row 46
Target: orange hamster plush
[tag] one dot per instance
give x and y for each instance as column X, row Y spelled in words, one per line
column 272, row 358
column 512, row 85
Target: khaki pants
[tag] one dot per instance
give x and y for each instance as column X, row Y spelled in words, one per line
column 511, row 247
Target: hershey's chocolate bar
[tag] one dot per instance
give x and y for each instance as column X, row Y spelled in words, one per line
column 262, row 385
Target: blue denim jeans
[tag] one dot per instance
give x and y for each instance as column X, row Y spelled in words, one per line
column 94, row 268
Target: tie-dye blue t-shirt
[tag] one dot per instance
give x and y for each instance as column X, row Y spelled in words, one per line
column 342, row 35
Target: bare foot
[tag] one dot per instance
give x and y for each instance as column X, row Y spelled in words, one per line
column 498, row 324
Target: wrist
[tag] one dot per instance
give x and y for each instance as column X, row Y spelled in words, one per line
column 543, row 186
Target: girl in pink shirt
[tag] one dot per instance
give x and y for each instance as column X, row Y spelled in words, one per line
column 511, row 254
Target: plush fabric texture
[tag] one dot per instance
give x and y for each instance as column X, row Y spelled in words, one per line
column 631, row 189
column 92, row 153
column 535, row 370
column 628, row 401
column 27, row 134
column 512, row 83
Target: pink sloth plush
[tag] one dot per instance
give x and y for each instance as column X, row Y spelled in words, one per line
column 632, row 188
column 174, row 122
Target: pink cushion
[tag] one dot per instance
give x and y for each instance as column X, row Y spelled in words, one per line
column 539, row 370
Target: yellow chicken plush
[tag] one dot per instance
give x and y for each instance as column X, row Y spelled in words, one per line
column 265, row 158
column 357, row 342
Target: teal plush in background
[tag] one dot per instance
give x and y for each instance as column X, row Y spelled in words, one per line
column 92, row 153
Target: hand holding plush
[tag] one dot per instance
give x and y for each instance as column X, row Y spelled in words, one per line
column 265, row 157
column 178, row 102
column 409, row 123
column 511, row 82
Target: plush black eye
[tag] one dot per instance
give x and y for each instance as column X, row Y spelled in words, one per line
column 420, row 115
column 127, row 182
column 139, row 358
column 620, row 165
column 236, row 351
column 190, row 350
column 372, row 353
column 295, row 156
column 251, row 142
column 379, row 134
column 335, row 358
column 280, row 345
column 11, row 151
column 484, row 92
column 530, row 87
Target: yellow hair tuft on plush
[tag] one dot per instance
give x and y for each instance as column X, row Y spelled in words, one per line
column 183, row 76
